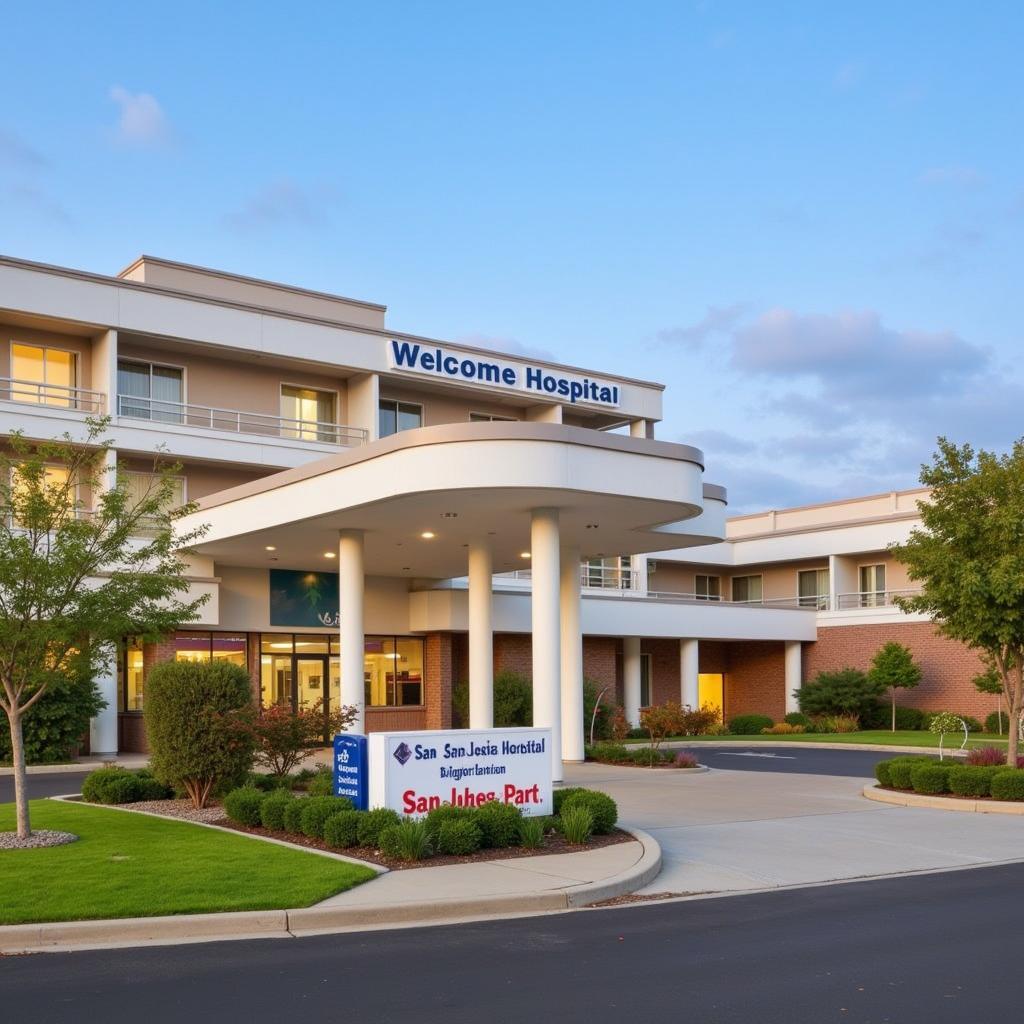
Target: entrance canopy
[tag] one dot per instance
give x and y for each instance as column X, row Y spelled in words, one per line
column 421, row 497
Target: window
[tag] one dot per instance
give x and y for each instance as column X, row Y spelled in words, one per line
column 486, row 417
column 747, row 589
column 49, row 374
column 393, row 671
column 198, row 645
column 311, row 413
column 395, row 416
column 55, row 478
column 609, row 573
column 812, row 588
column 645, row 680
column 138, row 486
column 708, row 588
column 872, row 586
column 146, row 391
column 131, row 676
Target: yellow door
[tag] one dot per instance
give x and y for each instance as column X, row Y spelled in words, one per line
column 710, row 691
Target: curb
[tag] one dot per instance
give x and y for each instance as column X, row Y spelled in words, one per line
column 942, row 803
column 695, row 745
column 282, row 924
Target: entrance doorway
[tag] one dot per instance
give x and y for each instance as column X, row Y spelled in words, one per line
column 711, row 692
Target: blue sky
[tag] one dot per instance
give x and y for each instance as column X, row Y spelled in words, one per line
column 805, row 219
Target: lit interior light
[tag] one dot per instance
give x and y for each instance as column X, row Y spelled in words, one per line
column 330, row 554
column 428, row 535
column 270, row 547
column 524, row 554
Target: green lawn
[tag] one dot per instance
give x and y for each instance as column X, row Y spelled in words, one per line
column 130, row 865
column 878, row 737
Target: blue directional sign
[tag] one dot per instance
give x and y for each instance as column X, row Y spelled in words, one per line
column 351, row 775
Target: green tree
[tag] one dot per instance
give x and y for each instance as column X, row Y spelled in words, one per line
column 893, row 667
column 847, row 691
column 990, row 681
column 75, row 578
column 968, row 557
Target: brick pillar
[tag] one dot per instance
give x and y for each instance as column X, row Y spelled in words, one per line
column 154, row 654
column 437, row 683
column 254, row 666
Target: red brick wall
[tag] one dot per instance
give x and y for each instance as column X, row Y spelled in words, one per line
column 437, row 682
column 601, row 661
column 755, row 679
column 664, row 669
column 947, row 666
column 513, row 652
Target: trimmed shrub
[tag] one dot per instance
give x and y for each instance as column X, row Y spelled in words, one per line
column 559, row 796
column 341, row 830
column 405, row 841
column 783, row 729
column 749, row 725
column 985, row 756
column 882, row 773
column 197, row 721
column 322, row 783
column 797, row 718
column 609, row 753
column 930, row 778
column 317, row 809
column 243, row 805
column 847, row 691
column 880, row 717
column 604, row 812
column 965, row 780
column 513, row 701
column 111, row 786
column 577, row 824
column 901, row 767
column 498, row 824
column 372, row 823
column 273, row 807
column 1008, row 784
column 293, row 817
column 150, row 788
column 997, row 722
column 446, row 812
column 458, row 837
column 264, row 783
column 531, row 833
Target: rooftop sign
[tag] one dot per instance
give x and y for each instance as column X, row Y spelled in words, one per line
column 411, row 355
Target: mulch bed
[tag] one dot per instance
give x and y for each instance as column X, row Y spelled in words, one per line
column 553, row 843
column 946, row 796
column 628, row 898
column 635, row 764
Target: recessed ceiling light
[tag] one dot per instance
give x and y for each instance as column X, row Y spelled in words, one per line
column 270, row 547
column 330, row 554
column 524, row 554
column 449, row 515
column 428, row 535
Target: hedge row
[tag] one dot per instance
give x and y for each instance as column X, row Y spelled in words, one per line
column 453, row 831
column 931, row 777
column 121, row 786
column 646, row 757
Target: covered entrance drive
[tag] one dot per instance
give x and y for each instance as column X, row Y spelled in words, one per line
column 475, row 499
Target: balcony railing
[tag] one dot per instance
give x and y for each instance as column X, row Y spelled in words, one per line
column 237, row 422
column 874, row 598
column 53, row 396
column 813, row 603
column 605, row 577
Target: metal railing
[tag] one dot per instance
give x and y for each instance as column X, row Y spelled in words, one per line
column 237, row 422
column 814, row 603
column 53, row 396
column 874, row 598
column 604, row 577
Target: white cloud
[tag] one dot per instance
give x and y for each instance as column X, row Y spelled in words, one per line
column 716, row 320
column 284, row 203
column 141, row 121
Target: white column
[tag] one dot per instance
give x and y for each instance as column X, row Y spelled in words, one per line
column 103, row 372
column 572, row 657
column 350, row 606
column 481, row 637
column 103, row 725
column 794, row 674
column 545, row 571
column 631, row 678
column 544, row 414
column 689, row 667
column 364, row 403
column 641, row 428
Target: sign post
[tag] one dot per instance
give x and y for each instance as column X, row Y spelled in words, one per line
column 351, row 770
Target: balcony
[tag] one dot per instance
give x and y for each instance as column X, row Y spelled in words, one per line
column 814, row 603
column 235, row 421
column 52, row 396
column 873, row 598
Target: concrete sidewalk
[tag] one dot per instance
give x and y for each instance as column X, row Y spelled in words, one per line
column 729, row 831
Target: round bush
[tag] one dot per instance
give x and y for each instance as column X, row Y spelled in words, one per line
column 498, row 824
column 111, row 786
column 243, row 805
column 458, row 837
column 405, row 841
column 882, row 773
column 321, row 784
column 293, row 817
column 608, row 752
column 317, row 809
column 603, row 809
column 966, row 780
column 749, row 725
column 372, row 823
column 559, row 796
column 196, row 716
column 930, row 778
column 901, row 767
column 797, row 718
column 150, row 788
column 997, row 722
column 341, row 830
column 1008, row 784
column 446, row 812
column 272, row 809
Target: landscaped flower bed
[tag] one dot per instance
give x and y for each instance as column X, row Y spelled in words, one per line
column 970, row 781
column 643, row 757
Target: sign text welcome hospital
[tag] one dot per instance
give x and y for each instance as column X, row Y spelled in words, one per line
column 410, row 355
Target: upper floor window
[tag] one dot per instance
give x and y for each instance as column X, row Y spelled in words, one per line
column 55, row 481
column 395, row 416
column 149, row 391
column 707, row 588
column 46, row 375
column 872, row 586
column 615, row 573
column 140, row 484
column 747, row 589
column 310, row 412
column 812, row 588
column 486, row 417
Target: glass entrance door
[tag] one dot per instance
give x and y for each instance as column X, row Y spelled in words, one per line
column 312, row 684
